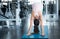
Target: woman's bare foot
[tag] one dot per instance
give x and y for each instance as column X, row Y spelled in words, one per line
column 43, row 34
column 29, row 34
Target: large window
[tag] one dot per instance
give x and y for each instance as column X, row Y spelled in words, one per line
column 5, row 1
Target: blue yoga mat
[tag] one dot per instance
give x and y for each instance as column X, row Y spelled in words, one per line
column 38, row 35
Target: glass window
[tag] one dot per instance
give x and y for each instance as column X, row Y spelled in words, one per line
column 5, row 1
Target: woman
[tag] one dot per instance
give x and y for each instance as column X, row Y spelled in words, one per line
column 37, row 7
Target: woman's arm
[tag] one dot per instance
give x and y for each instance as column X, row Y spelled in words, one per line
column 41, row 20
column 31, row 21
column 42, row 25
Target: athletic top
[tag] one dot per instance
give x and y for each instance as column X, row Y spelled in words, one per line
column 34, row 1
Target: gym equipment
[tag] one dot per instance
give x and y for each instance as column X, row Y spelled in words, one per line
column 59, row 13
column 3, row 16
column 3, row 9
column 9, row 9
column 23, row 7
column 51, row 7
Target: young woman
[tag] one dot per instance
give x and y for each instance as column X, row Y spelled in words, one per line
column 37, row 7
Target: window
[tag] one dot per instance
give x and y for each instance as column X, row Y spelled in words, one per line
column 5, row 1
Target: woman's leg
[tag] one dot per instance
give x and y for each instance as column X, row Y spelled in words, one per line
column 31, row 21
column 41, row 22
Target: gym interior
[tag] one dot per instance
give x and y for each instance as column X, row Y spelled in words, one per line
column 15, row 19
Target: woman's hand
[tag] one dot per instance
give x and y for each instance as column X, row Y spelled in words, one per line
column 43, row 34
column 29, row 34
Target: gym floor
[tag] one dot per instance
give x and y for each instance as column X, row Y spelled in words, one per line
column 52, row 30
